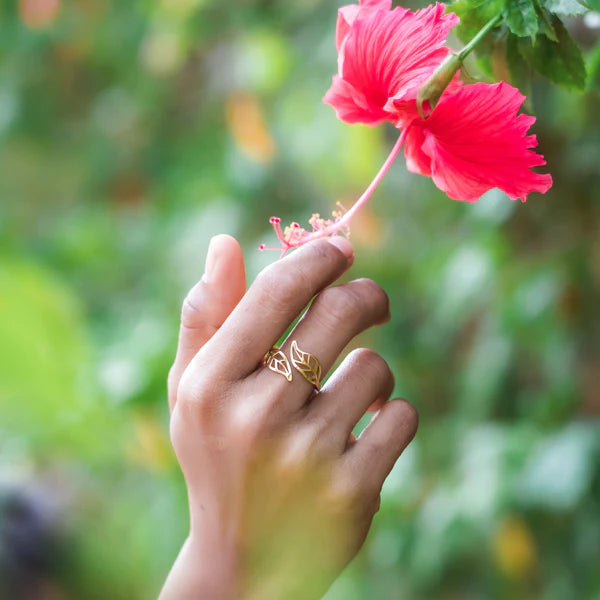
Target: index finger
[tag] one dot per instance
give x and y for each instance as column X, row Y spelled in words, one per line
column 275, row 298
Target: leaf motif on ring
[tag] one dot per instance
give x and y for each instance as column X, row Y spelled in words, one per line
column 277, row 361
column 307, row 365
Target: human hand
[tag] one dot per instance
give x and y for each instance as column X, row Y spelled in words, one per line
column 281, row 493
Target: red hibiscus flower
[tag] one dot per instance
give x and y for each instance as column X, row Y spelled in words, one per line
column 472, row 141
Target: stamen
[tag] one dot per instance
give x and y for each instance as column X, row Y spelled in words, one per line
column 295, row 236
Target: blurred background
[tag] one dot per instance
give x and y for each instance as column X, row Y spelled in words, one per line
column 130, row 132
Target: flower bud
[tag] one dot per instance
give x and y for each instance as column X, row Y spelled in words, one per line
column 430, row 92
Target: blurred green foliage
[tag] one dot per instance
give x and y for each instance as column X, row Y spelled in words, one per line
column 130, row 132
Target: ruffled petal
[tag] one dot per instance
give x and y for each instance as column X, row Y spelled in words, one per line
column 405, row 109
column 348, row 14
column 416, row 160
column 389, row 54
column 350, row 104
column 475, row 142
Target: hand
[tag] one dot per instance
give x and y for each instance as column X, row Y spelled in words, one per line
column 281, row 493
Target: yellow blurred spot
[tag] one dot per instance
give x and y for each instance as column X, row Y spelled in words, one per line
column 38, row 14
column 161, row 52
column 246, row 123
column 362, row 150
column 515, row 548
column 181, row 8
column 149, row 446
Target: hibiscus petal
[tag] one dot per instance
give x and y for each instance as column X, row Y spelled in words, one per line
column 351, row 105
column 475, row 142
column 416, row 160
column 389, row 54
column 348, row 14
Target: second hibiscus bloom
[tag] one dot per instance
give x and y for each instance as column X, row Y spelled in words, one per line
column 472, row 141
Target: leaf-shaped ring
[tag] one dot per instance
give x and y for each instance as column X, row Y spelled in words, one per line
column 307, row 365
column 277, row 361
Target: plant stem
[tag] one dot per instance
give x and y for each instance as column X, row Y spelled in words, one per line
column 431, row 91
column 335, row 227
column 478, row 36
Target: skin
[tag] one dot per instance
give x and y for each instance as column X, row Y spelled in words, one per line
column 281, row 493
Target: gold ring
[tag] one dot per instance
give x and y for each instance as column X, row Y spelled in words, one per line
column 307, row 365
column 277, row 361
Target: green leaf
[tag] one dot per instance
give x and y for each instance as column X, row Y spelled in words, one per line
column 594, row 4
column 521, row 18
column 565, row 7
column 593, row 68
column 545, row 24
column 560, row 61
column 484, row 64
column 520, row 75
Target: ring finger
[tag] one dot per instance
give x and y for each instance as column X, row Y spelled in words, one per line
column 336, row 316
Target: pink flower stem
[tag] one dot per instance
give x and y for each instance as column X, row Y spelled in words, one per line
column 335, row 227
column 294, row 236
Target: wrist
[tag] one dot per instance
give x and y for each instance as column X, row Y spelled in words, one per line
column 201, row 572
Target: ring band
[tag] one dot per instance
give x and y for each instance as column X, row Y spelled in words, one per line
column 277, row 361
column 307, row 365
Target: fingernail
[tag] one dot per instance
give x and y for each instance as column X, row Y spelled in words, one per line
column 211, row 259
column 341, row 243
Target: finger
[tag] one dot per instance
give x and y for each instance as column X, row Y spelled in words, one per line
column 274, row 300
column 208, row 303
column 373, row 455
column 357, row 383
column 336, row 316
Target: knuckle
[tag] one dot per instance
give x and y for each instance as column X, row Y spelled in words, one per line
column 197, row 315
column 190, row 389
column 375, row 297
column 343, row 492
column 358, row 301
column 198, row 397
column 375, row 504
column 339, row 303
column 317, row 423
column 291, row 459
column 280, row 288
column 407, row 415
column 373, row 448
column 179, row 431
column 301, row 443
column 244, row 426
column 300, row 451
column 191, row 314
column 371, row 364
column 171, row 379
column 328, row 252
column 176, row 431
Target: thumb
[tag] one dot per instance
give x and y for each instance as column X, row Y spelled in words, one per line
column 208, row 303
